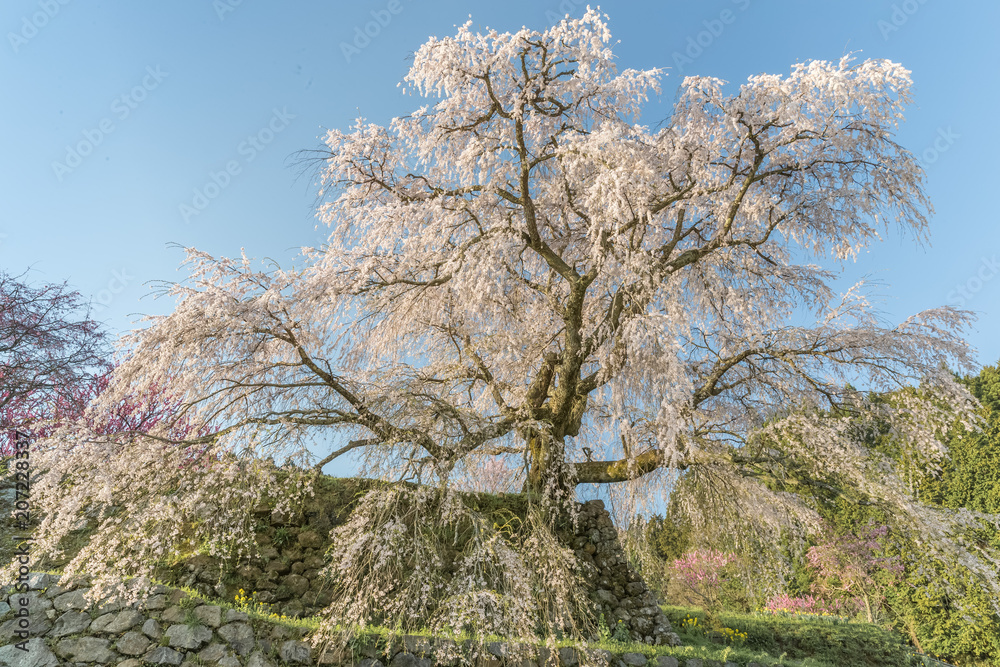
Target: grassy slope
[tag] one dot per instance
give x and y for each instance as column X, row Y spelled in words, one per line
column 806, row 640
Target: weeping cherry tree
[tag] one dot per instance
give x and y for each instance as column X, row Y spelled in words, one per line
column 519, row 271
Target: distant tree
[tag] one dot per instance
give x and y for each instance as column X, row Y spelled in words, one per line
column 519, row 269
column 855, row 567
column 940, row 605
column 970, row 477
column 703, row 572
column 50, row 350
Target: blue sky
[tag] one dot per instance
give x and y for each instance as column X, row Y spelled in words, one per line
column 164, row 97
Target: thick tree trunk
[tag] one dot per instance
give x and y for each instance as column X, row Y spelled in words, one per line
column 546, row 455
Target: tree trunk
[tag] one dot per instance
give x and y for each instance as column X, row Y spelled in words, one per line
column 546, row 456
column 913, row 635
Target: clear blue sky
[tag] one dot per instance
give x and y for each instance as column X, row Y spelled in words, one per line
column 161, row 95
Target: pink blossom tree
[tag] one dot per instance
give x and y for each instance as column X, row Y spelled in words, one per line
column 702, row 571
column 854, row 567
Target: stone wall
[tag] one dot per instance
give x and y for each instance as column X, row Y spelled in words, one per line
column 286, row 573
column 165, row 630
column 170, row 628
column 620, row 592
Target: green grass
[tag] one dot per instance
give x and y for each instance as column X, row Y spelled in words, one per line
column 813, row 641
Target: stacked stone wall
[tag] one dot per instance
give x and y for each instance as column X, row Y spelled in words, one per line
column 171, row 628
column 286, row 573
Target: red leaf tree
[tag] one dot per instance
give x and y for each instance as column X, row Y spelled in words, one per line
column 50, row 352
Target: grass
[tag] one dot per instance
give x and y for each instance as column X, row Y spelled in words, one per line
column 803, row 640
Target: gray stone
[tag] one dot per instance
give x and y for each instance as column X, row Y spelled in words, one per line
column 294, row 609
column 37, row 655
column 230, row 661
column 38, row 625
column 72, row 600
column 372, row 650
column 421, row 646
column 309, row 539
column 125, row 620
column 496, row 649
column 339, row 655
column 666, row 661
column 4, row 608
column 131, row 662
column 210, row 615
column 634, row 659
column 293, row 651
column 70, row 623
column 186, row 636
column 233, row 615
column 297, row 584
column 239, row 636
column 214, row 652
column 85, row 649
column 163, row 655
column 101, row 622
column 642, row 625
column 607, row 597
column 152, row 629
column 173, row 615
column 34, row 601
column 409, row 660
column 567, row 657
column 367, row 662
column 258, row 660
column 132, row 643
column 40, row 580
column 110, row 604
column 694, row 662
column 55, row 590
column 155, row 603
